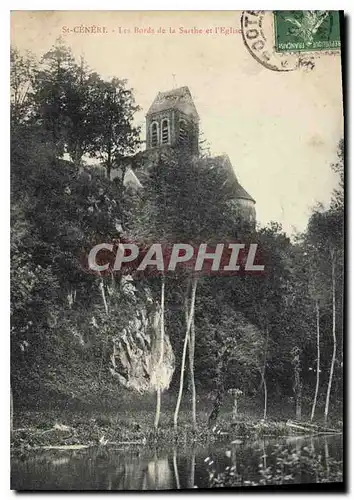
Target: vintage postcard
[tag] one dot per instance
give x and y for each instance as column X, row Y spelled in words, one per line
column 177, row 250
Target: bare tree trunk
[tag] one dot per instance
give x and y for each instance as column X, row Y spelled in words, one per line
column 181, row 380
column 109, row 163
column 234, row 409
column 11, row 410
column 220, row 391
column 297, row 388
column 334, row 336
column 77, row 156
column 104, row 296
column 298, row 405
column 191, row 344
column 190, row 319
column 263, row 375
column 162, row 348
column 318, row 361
column 264, row 455
column 265, row 389
column 105, row 342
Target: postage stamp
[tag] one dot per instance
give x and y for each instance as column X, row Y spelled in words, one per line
column 290, row 40
column 306, row 30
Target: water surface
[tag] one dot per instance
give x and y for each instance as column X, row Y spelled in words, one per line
column 132, row 468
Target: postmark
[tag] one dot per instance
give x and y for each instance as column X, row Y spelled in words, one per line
column 259, row 33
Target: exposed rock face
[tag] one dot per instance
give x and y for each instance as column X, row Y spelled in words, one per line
column 136, row 350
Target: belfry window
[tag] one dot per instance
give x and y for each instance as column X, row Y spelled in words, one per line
column 154, row 135
column 165, row 132
column 183, row 133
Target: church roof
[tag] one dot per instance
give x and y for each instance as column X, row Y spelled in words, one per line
column 240, row 192
column 234, row 187
column 180, row 99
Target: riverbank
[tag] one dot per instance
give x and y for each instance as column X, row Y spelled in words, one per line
column 67, row 428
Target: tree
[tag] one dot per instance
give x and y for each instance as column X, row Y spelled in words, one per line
column 84, row 114
column 187, row 339
column 162, row 342
column 56, row 217
column 22, row 69
column 174, row 179
column 116, row 135
column 325, row 229
column 233, row 345
column 313, row 277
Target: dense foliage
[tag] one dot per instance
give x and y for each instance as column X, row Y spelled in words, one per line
column 254, row 333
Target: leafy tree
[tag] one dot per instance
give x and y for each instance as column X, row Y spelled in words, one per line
column 22, row 70
column 116, row 136
column 84, row 114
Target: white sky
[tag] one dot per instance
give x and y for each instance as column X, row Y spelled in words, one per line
column 280, row 130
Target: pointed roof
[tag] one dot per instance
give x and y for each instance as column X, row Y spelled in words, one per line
column 240, row 192
column 233, row 185
column 180, row 99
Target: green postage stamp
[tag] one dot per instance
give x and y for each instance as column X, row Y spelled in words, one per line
column 306, row 30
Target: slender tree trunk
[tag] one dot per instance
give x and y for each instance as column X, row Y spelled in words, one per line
column 264, row 455
column 191, row 345
column 109, row 163
column 234, row 409
column 103, row 295
column 318, row 361
column 298, row 407
column 297, row 381
column 181, row 380
column 124, row 171
column 334, row 336
column 11, row 410
column 77, row 156
column 220, row 391
column 162, row 348
column 298, row 403
column 263, row 375
column 190, row 319
column 265, row 391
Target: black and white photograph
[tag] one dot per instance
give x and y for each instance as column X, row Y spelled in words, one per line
column 177, row 250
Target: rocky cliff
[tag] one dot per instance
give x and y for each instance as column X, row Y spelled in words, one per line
column 135, row 350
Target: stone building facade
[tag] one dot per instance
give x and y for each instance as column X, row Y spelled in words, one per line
column 173, row 121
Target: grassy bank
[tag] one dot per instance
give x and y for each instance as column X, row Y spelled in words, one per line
column 130, row 422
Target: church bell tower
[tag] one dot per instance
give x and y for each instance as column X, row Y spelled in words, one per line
column 173, row 121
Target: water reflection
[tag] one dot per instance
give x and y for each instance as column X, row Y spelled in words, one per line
column 175, row 468
column 145, row 469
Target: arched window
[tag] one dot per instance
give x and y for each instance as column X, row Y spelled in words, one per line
column 154, row 135
column 165, row 135
column 183, row 132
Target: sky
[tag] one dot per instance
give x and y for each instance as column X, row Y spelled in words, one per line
column 280, row 129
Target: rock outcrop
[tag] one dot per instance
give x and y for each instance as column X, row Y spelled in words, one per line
column 136, row 350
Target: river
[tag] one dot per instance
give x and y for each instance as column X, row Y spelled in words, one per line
column 114, row 468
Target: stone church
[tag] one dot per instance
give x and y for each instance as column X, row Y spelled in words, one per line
column 172, row 121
